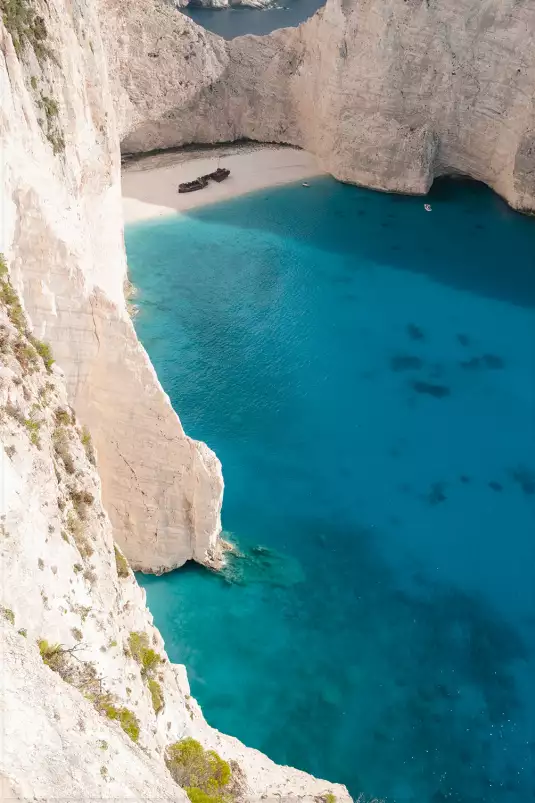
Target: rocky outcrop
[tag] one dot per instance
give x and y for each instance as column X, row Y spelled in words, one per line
column 387, row 95
column 60, row 202
column 89, row 700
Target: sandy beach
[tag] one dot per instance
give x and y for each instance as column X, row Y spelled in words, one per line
column 149, row 185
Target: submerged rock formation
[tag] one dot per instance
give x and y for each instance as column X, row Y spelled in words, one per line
column 62, row 231
column 387, row 95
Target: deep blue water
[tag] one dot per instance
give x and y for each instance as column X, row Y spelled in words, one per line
column 366, row 373
column 231, row 22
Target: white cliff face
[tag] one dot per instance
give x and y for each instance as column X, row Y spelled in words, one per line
column 61, row 227
column 64, row 584
column 389, row 95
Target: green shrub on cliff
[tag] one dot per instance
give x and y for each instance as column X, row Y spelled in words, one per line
column 156, row 695
column 126, row 719
column 146, row 657
column 202, row 773
column 25, row 26
column 121, row 563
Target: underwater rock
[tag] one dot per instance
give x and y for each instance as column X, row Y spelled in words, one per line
column 490, row 361
column 436, row 495
column 414, row 332
column 464, row 340
column 495, row 486
column 525, row 477
column 259, row 564
column 405, row 362
column 427, row 388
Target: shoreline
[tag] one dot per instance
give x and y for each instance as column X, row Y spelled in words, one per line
column 150, row 183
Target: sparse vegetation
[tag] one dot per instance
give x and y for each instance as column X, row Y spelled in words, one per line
column 328, row 797
column 41, row 563
column 203, row 774
column 44, row 351
column 10, row 451
column 56, row 658
column 82, row 611
column 25, row 26
column 8, row 615
column 32, row 427
column 87, row 443
column 103, row 744
column 81, row 500
column 26, row 355
column 50, row 124
column 90, row 576
column 77, row 633
column 145, row 656
column 60, row 440
column 77, row 530
column 78, row 568
column 126, row 718
column 62, row 417
column 123, row 570
column 156, row 695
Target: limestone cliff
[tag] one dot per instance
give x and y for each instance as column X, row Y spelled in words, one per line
column 388, row 95
column 89, row 700
column 61, row 227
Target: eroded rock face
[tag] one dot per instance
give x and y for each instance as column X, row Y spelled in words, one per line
column 388, row 95
column 60, row 202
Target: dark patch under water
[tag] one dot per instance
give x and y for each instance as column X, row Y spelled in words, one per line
column 377, row 627
column 405, row 362
column 438, row 391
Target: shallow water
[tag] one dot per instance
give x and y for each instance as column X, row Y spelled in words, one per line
column 232, row 22
column 366, row 373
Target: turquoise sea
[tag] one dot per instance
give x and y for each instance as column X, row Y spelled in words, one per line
column 365, row 370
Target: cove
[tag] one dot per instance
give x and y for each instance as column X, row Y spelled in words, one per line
column 365, row 371
column 232, row 22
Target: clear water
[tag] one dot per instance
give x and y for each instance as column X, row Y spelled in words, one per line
column 365, row 370
column 232, row 22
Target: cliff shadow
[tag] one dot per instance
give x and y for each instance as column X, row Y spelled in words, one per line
column 470, row 240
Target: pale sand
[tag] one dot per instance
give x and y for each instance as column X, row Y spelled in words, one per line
column 150, row 185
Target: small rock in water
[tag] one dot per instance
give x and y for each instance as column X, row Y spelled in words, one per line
column 525, row 478
column 492, row 361
column 464, row 340
column 405, row 362
column 464, row 479
column 495, row 486
column 438, row 391
column 436, row 495
column 414, row 332
column 260, row 550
